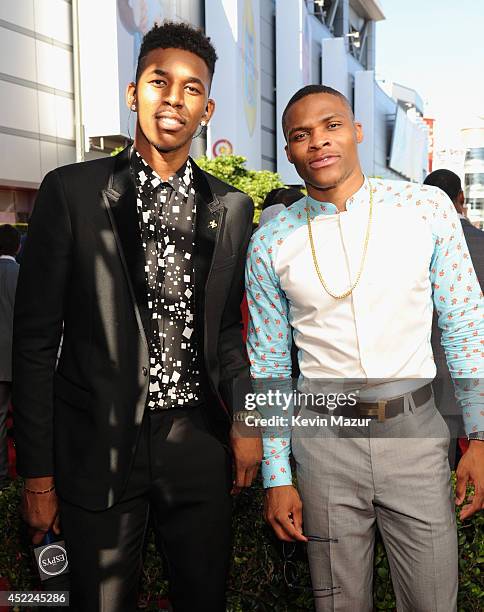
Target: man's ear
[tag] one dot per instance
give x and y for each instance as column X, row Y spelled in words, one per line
column 288, row 153
column 359, row 132
column 131, row 96
column 209, row 110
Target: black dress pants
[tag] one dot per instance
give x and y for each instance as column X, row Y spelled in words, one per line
column 182, row 477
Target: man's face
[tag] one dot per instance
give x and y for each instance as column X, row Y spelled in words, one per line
column 322, row 139
column 171, row 98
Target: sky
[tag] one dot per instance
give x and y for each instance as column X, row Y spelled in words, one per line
column 437, row 48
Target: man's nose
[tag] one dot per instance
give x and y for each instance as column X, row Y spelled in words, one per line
column 173, row 95
column 319, row 140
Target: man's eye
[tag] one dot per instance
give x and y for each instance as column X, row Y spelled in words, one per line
column 300, row 136
column 334, row 125
column 192, row 89
column 157, row 82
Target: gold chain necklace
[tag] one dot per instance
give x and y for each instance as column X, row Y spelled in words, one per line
column 365, row 248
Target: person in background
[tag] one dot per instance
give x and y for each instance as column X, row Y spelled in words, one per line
column 23, row 238
column 9, row 268
column 450, row 183
column 276, row 201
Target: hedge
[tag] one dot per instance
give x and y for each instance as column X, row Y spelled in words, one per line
column 256, row 580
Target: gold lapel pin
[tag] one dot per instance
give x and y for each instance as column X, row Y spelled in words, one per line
column 212, row 224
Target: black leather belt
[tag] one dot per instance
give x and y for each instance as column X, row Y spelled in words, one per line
column 391, row 408
column 382, row 410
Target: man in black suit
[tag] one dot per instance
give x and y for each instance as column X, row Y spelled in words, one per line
column 137, row 261
column 9, row 247
column 450, row 184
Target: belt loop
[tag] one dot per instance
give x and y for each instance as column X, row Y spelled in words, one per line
column 406, row 403
column 408, row 397
column 381, row 411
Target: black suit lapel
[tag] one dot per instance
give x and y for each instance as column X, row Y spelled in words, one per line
column 209, row 224
column 120, row 200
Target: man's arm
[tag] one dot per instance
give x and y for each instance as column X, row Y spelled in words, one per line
column 459, row 305
column 234, row 367
column 269, row 345
column 231, row 350
column 38, row 317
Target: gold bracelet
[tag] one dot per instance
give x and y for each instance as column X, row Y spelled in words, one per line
column 39, row 492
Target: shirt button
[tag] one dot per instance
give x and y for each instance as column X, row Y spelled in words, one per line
column 145, row 371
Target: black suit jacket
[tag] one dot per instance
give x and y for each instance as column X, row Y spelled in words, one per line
column 475, row 241
column 82, row 278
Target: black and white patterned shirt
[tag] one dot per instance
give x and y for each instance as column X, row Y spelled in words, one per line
column 166, row 213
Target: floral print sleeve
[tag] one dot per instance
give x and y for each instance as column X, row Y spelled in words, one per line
column 269, row 347
column 459, row 304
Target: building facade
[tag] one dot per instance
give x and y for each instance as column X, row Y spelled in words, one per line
column 63, row 80
column 474, row 174
column 37, row 110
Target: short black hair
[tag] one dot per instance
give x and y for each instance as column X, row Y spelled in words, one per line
column 446, row 180
column 282, row 195
column 177, row 35
column 9, row 240
column 308, row 91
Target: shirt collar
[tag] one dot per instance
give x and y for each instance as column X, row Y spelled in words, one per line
column 8, row 257
column 360, row 197
column 147, row 179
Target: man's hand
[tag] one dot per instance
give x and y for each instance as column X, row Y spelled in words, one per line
column 471, row 469
column 247, row 448
column 40, row 511
column 283, row 511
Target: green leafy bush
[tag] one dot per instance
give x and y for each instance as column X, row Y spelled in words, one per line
column 256, row 580
column 232, row 170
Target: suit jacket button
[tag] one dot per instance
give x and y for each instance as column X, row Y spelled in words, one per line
column 145, row 371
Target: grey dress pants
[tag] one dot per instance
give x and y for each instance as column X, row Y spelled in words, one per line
column 392, row 475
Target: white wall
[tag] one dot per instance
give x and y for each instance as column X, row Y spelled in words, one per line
column 36, row 89
column 365, row 114
column 334, row 65
column 376, row 112
column 234, row 28
column 290, row 49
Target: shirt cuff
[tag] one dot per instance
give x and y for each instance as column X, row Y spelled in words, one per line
column 276, row 472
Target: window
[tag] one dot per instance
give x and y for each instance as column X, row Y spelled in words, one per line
column 321, row 9
column 477, row 154
column 475, row 203
column 476, row 178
